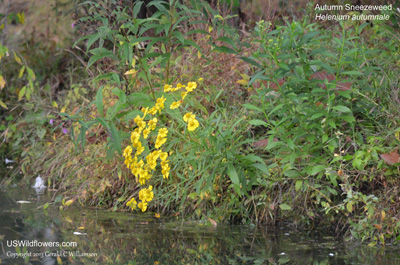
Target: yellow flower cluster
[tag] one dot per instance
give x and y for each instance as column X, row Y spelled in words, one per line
column 141, row 168
column 145, row 195
column 190, row 118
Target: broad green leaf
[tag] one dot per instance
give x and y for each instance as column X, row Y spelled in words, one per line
column 231, row 171
column 349, row 207
column 258, row 123
column 262, row 167
column 21, row 72
column 99, row 101
column 224, row 49
column 115, row 138
column 31, row 74
column 341, row 108
column 98, row 54
column 317, row 169
column 358, row 73
column 17, row 59
column 298, row 185
column 21, row 93
column 285, row 207
column 251, row 61
column 291, row 173
column 3, row 104
column 2, row 82
column 252, row 107
column 308, row 36
column 136, row 8
column 349, row 119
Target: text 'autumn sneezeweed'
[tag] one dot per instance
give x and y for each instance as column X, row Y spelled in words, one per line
column 143, row 166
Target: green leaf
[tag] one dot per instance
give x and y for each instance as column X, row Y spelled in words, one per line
column 258, row 123
column 3, row 104
column 231, row 171
column 100, row 53
column 136, row 8
column 285, row 207
column 21, row 71
column 349, row 207
column 251, row 61
column 99, row 101
column 298, row 185
column 41, row 133
column 276, row 108
column 317, row 169
column 252, row 107
column 92, row 39
column 358, row 73
column 254, row 158
column 308, row 36
column 262, row 167
column 227, row 40
column 291, row 173
column 31, row 74
column 21, row 93
column 115, row 138
column 349, row 119
column 179, row 36
column 290, row 143
column 224, row 49
column 341, row 108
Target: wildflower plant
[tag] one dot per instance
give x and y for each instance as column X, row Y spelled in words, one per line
column 143, row 161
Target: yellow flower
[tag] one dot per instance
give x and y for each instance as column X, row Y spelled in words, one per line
column 175, row 105
column 191, row 86
column 128, row 151
column 163, row 156
column 132, row 203
column 188, row 116
column 165, row 170
column 153, row 110
column 142, row 206
column 163, row 132
column 192, row 125
column 139, row 149
column 144, row 110
column 140, row 123
column 183, row 95
column 152, row 123
column 200, row 79
column 135, row 137
column 143, row 176
column 146, row 133
column 167, row 88
column 160, row 141
column 160, row 103
column 146, row 194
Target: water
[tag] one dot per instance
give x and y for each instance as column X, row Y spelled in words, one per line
column 89, row 236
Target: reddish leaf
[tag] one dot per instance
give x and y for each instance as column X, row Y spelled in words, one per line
column 322, row 75
column 263, row 143
column 391, row 158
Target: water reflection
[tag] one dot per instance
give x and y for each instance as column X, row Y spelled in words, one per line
column 87, row 236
